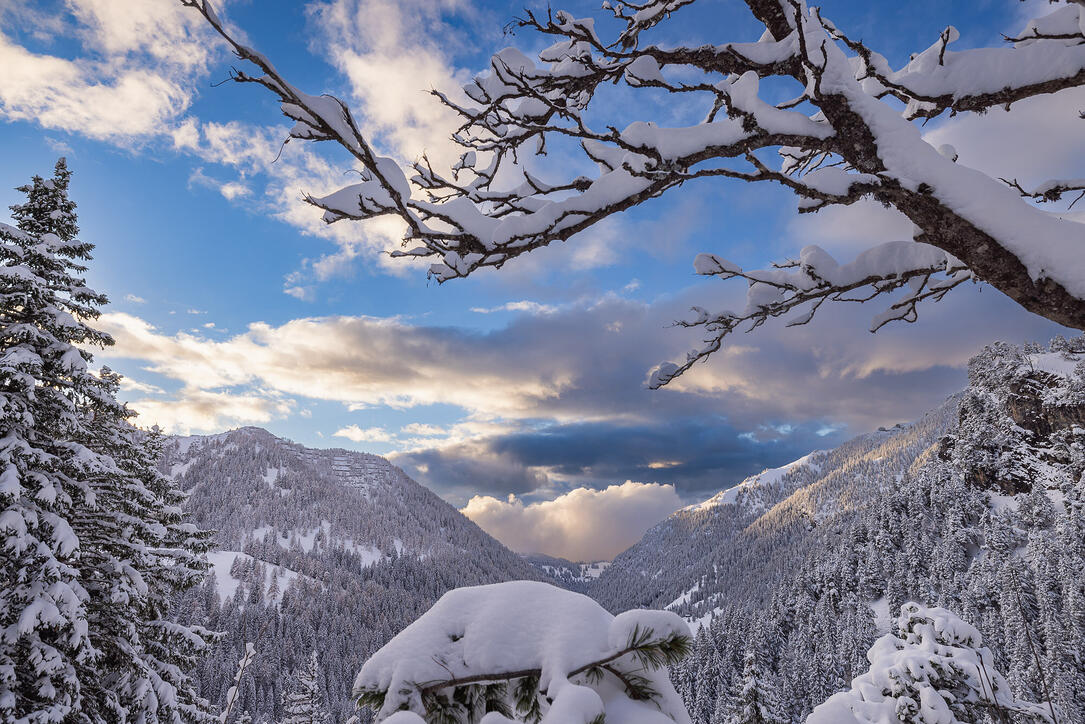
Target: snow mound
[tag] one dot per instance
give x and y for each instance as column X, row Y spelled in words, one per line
column 488, row 634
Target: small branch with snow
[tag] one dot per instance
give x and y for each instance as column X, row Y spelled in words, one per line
column 805, row 284
column 1052, row 190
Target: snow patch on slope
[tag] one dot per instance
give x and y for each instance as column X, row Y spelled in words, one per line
column 222, row 561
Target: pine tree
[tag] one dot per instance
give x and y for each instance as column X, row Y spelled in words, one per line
column 92, row 537
column 43, row 376
column 138, row 552
column 305, row 705
column 755, row 702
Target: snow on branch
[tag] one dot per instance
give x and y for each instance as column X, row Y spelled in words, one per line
column 842, row 137
column 803, row 285
column 529, row 652
column 1052, row 190
column 1049, row 56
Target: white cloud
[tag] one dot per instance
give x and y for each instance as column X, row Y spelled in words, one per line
column 423, row 430
column 521, row 306
column 230, row 190
column 134, row 79
column 368, row 434
column 581, row 525
column 134, row 299
column 832, row 370
column 127, row 383
column 388, row 51
column 304, row 294
column 205, row 410
column 348, row 359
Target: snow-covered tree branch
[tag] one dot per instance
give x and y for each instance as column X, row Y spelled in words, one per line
column 849, row 133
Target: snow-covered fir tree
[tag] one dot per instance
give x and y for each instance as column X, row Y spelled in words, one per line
column 935, row 669
column 44, row 635
column 137, row 551
column 305, row 704
column 93, row 537
column 755, row 701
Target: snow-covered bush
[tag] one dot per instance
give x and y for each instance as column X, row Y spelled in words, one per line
column 934, row 671
column 527, row 652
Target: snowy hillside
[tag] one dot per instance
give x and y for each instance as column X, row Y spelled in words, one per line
column 330, row 550
column 566, row 573
column 745, row 538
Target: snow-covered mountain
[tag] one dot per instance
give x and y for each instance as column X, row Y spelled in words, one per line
column 326, row 550
column 978, row 507
column 743, row 539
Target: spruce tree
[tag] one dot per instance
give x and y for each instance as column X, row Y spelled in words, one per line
column 43, row 378
column 92, row 537
column 305, row 705
column 139, row 551
column 755, row 701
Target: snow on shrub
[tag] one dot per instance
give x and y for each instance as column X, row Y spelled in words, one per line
column 935, row 670
column 527, row 652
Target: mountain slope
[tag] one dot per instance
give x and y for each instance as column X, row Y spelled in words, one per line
column 744, row 539
column 979, row 507
column 326, row 550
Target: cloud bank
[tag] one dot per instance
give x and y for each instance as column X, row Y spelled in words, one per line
column 536, row 424
column 581, row 525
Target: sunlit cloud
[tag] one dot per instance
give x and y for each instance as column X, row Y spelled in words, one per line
column 134, row 81
column 581, row 525
column 367, row 434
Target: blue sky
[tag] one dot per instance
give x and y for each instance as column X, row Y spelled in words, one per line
column 232, row 304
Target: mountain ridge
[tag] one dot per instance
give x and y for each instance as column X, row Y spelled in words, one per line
column 326, row 550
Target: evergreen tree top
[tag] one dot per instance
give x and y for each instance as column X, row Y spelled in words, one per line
column 48, row 210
